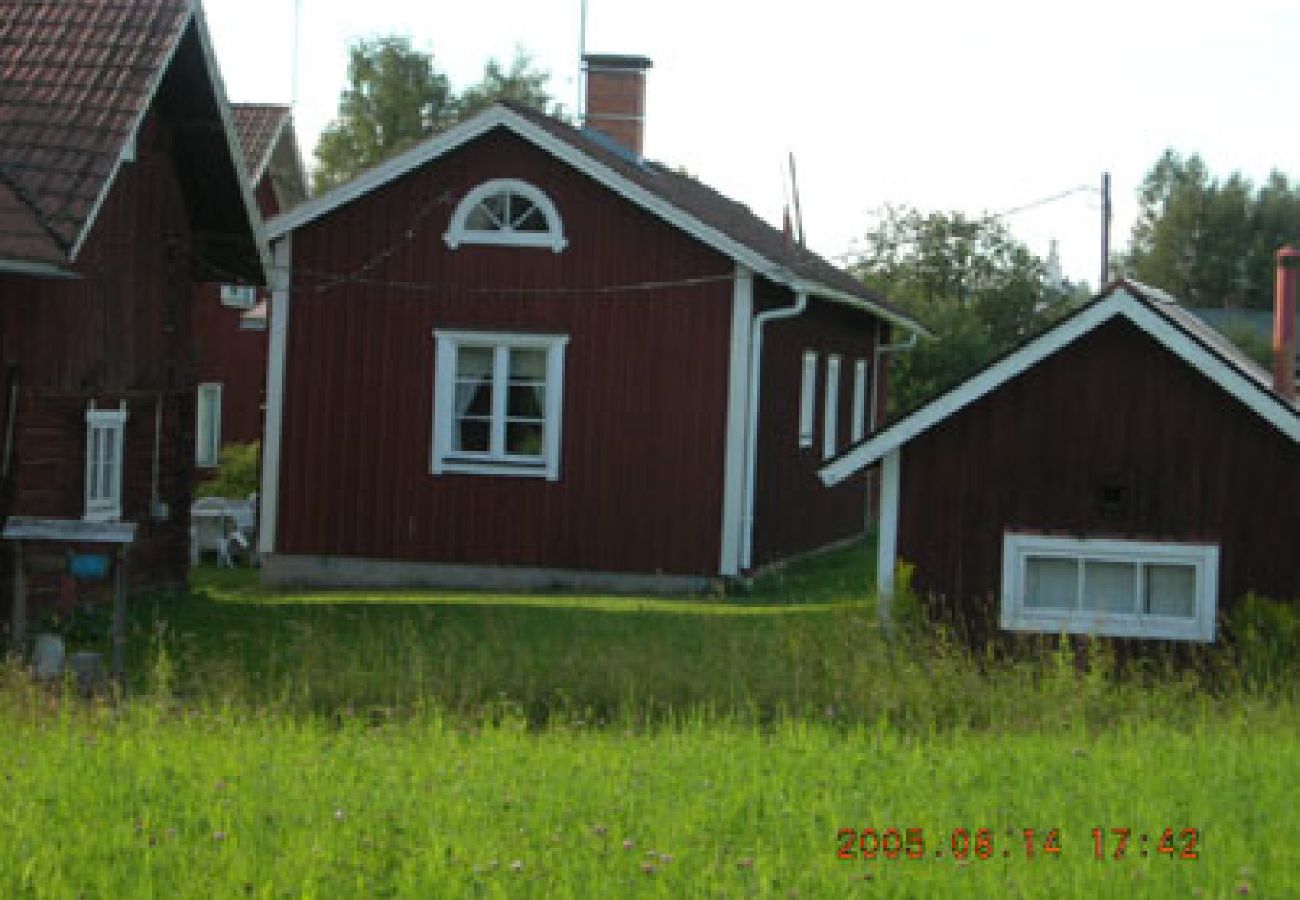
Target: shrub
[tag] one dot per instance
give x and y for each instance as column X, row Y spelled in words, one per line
column 238, row 473
column 1265, row 635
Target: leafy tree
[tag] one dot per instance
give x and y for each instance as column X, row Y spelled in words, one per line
column 396, row 97
column 977, row 288
column 1210, row 242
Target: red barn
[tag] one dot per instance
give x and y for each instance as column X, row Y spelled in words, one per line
column 120, row 190
column 230, row 319
column 1127, row 473
column 519, row 353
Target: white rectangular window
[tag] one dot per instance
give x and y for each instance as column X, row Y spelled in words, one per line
column 497, row 403
column 238, row 296
column 858, row 424
column 807, row 398
column 105, row 429
column 207, row 430
column 1119, row 588
column 830, row 415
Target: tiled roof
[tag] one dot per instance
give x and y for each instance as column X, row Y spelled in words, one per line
column 75, row 77
column 256, row 126
column 708, row 206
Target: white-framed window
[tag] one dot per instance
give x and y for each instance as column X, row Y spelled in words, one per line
column 498, row 403
column 207, row 429
column 506, row 211
column 1121, row 588
column 830, row 412
column 807, row 398
column 858, row 423
column 238, row 296
column 105, row 429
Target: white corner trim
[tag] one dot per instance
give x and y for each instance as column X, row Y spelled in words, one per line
column 733, row 484
column 500, row 116
column 887, row 533
column 552, row 238
column 276, row 364
column 1119, row 303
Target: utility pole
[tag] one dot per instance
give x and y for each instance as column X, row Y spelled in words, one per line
column 1105, row 231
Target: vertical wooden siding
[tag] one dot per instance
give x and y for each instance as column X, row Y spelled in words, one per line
column 119, row 331
column 1114, row 409
column 644, row 391
column 793, row 511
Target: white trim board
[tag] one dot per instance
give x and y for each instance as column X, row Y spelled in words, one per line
column 503, row 117
column 276, row 362
column 733, row 476
column 1119, row 302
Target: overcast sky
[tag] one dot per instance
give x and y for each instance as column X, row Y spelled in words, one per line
column 977, row 107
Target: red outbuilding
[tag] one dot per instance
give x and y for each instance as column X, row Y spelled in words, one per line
column 230, row 319
column 520, row 353
column 1127, row 473
column 121, row 189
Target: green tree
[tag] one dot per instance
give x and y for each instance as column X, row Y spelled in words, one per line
column 396, row 97
column 1206, row 241
column 976, row 287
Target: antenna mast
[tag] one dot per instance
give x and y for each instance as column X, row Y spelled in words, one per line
column 293, row 90
column 798, row 213
column 582, row 64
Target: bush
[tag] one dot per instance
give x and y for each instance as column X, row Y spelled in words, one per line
column 1265, row 635
column 238, row 473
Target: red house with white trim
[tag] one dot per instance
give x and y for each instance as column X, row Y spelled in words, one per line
column 230, row 319
column 121, row 190
column 1128, row 473
column 520, row 353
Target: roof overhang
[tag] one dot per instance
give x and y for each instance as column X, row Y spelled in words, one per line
column 503, row 117
column 1120, row 301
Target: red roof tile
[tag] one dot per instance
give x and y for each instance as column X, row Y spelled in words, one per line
column 75, row 77
column 257, row 125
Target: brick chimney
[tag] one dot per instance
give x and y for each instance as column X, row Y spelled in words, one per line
column 616, row 97
column 1288, row 262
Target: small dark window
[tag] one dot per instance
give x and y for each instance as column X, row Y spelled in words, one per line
column 1112, row 500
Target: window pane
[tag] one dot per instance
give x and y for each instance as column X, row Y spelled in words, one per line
column 96, row 435
column 474, row 362
column 528, row 364
column 526, row 401
column 1110, row 586
column 528, row 218
column 524, row 438
column 473, row 435
column 1171, row 591
column 1050, row 583
column 489, row 215
column 473, row 398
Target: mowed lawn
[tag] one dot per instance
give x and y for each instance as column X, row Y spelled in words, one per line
column 372, row 745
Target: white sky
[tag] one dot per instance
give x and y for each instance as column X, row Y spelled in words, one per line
column 941, row 105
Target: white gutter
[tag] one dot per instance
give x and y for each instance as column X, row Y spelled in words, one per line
column 751, row 439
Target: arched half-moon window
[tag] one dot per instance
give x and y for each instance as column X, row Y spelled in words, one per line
column 506, row 212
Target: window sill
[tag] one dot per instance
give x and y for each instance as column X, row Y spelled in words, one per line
column 1139, row 628
column 448, row 466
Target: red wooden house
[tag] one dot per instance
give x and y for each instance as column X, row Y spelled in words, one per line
column 120, row 190
column 1127, row 473
column 230, row 319
column 521, row 353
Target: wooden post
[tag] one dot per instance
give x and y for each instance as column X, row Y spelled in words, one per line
column 119, row 619
column 18, row 615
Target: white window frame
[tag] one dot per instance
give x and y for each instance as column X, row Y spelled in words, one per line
column 104, row 496
column 207, row 457
column 496, row 461
column 458, row 233
column 807, row 399
column 238, row 296
column 1018, row 548
column 858, row 424
column 831, row 410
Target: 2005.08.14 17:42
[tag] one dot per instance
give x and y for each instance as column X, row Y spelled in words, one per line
column 869, row 843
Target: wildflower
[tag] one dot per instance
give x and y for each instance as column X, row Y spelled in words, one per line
column 1243, row 888
column 628, row 844
column 600, row 830
column 220, row 785
column 647, row 868
column 218, row 836
column 339, row 815
column 746, row 863
column 517, row 866
column 665, row 858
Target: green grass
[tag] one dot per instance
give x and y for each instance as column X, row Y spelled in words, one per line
column 457, row 744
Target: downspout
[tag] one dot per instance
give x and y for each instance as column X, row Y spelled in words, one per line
column 751, row 438
column 897, row 347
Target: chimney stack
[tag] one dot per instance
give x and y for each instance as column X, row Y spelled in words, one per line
column 616, row 98
column 1288, row 261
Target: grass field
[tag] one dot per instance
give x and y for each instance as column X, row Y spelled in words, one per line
column 340, row 745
